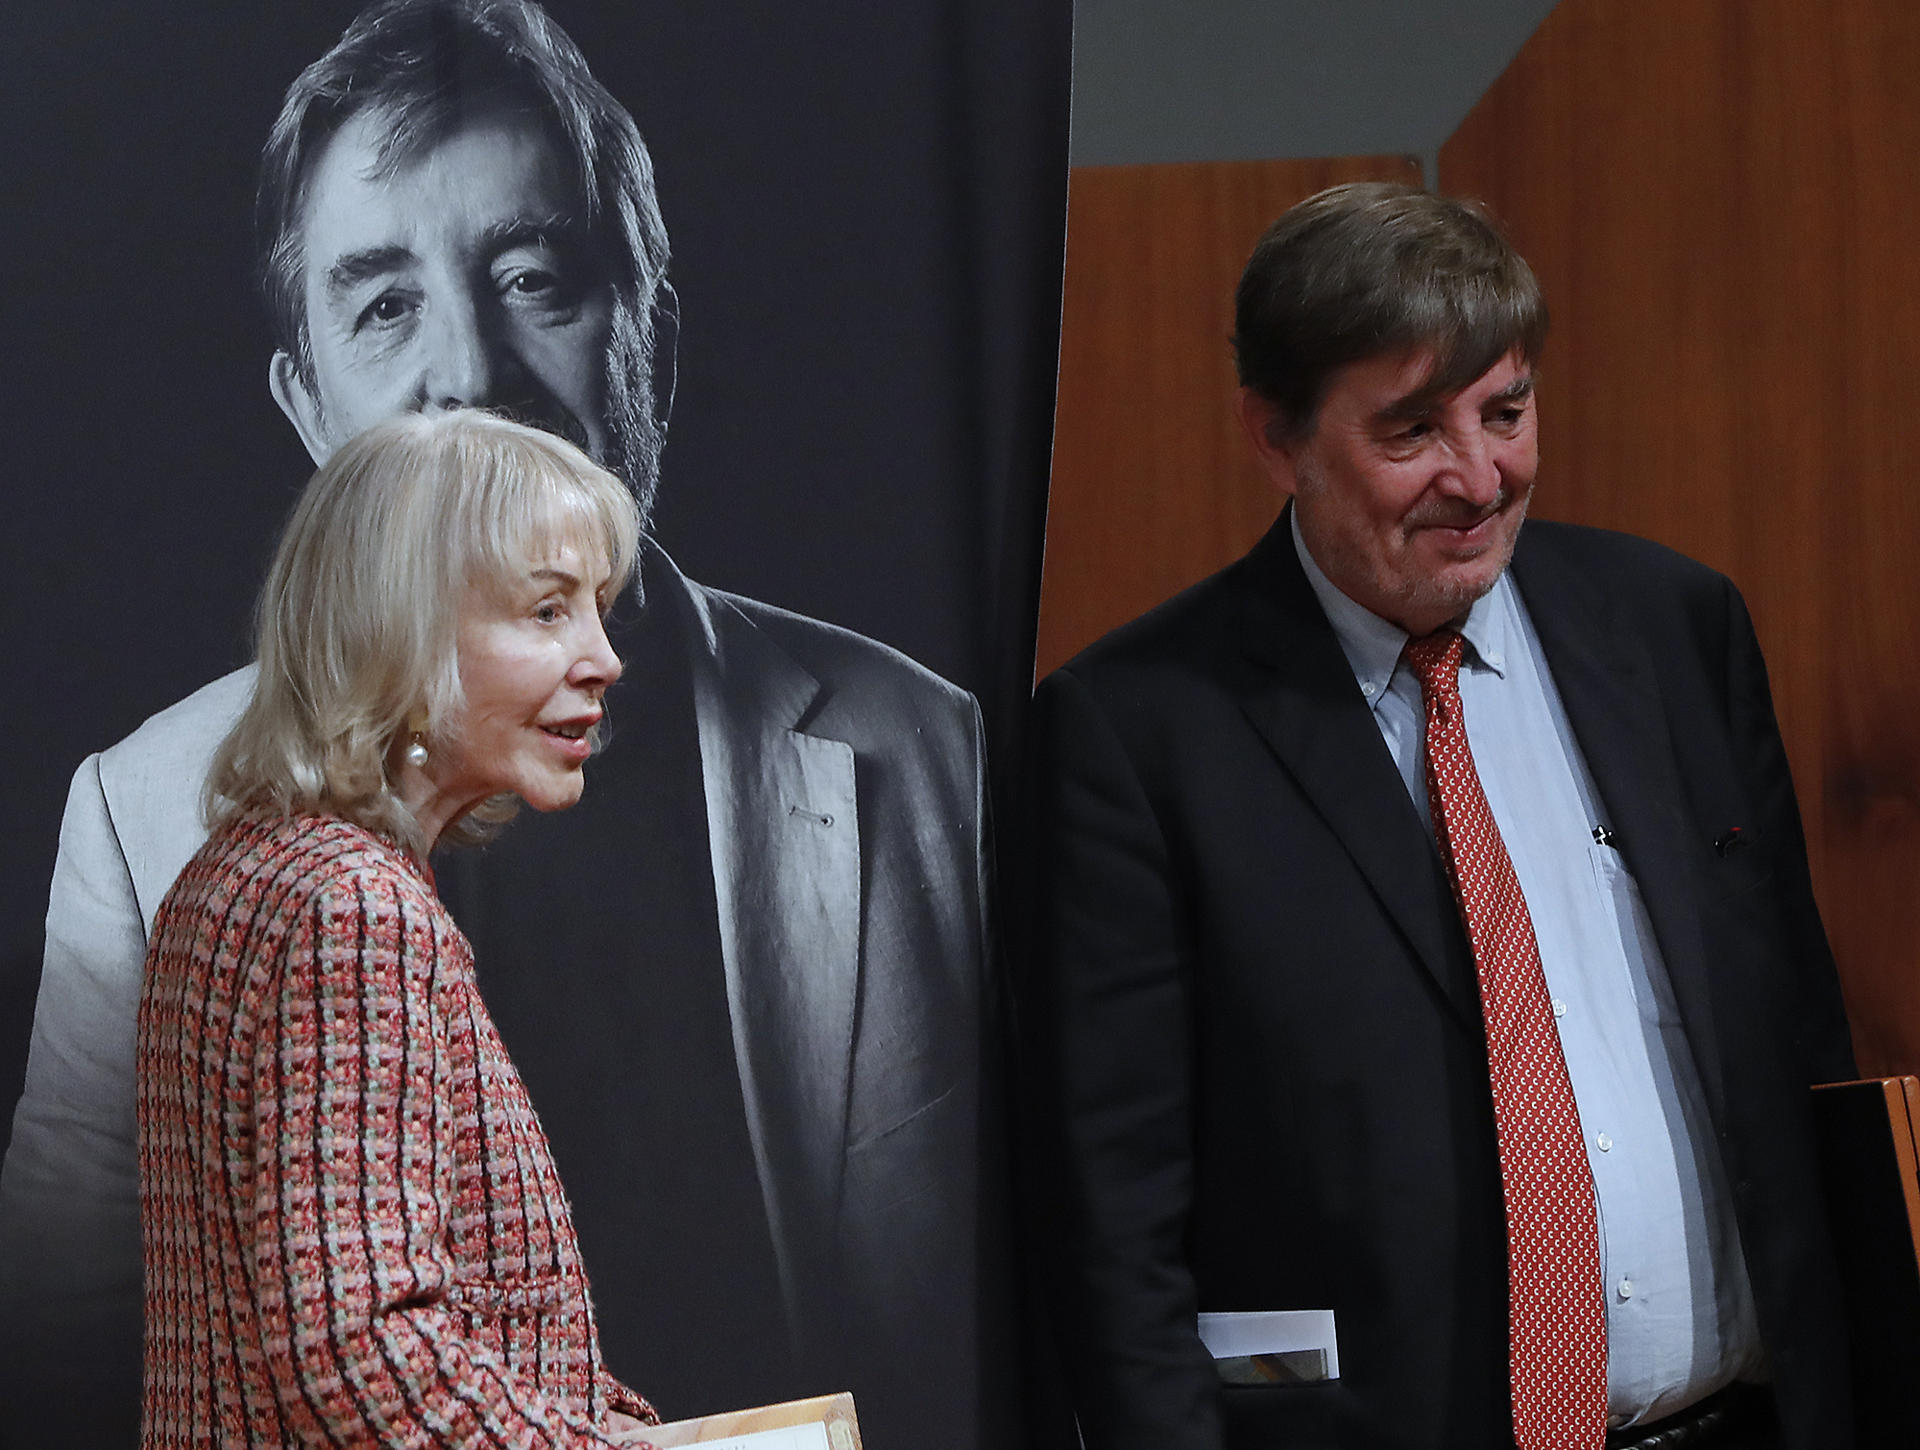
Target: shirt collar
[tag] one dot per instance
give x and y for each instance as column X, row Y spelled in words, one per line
column 1372, row 645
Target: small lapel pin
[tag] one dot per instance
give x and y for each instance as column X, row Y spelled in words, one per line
column 1603, row 836
column 1730, row 839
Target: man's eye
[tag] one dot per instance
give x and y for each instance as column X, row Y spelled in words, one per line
column 537, row 286
column 385, row 310
column 547, row 612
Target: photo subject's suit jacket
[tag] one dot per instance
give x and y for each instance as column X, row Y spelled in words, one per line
column 1267, row 1072
column 845, row 789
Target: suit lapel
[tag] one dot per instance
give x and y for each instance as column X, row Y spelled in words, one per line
column 1606, row 680
column 784, row 834
column 1302, row 699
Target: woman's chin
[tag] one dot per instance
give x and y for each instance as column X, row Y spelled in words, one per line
column 557, row 795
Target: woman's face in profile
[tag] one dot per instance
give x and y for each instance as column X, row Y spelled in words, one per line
column 534, row 663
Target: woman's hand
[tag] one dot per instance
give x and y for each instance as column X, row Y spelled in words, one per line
column 628, row 1431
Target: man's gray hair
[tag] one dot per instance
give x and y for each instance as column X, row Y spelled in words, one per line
column 427, row 65
column 1371, row 268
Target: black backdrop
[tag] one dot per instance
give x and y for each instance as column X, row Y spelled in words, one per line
column 866, row 204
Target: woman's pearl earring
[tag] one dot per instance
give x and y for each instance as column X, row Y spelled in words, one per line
column 416, row 751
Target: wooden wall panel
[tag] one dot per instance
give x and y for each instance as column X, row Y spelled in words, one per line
column 1153, row 486
column 1720, row 197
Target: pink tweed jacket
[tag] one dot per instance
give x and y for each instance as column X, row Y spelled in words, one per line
column 354, row 1233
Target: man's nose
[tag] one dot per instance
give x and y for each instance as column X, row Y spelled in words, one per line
column 1474, row 468
column 461, row 359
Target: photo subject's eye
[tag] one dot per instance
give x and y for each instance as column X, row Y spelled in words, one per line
column 531, row 283
column 385, row 311
column 540, row 279
column 750, row 970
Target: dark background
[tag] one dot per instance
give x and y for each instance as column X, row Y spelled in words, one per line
column 866, row 205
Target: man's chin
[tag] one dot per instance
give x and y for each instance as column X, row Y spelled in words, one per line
column 1444, row 592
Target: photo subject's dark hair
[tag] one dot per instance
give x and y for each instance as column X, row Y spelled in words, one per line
column 426, row 65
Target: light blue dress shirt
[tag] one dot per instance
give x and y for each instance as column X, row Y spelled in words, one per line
column 1680, row 1320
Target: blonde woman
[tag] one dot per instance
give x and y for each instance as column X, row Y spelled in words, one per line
column 353, row 1229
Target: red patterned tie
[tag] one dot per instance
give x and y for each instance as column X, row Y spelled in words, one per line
column 1556, row 1315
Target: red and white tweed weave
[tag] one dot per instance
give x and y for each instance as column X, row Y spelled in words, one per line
column 353, row 1229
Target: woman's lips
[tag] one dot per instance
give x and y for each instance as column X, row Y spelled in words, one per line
column 570, row 737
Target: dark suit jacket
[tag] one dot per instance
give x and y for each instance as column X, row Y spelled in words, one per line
column 1264, row 1068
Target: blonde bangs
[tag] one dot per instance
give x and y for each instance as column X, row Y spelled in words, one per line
column 358, row 622
column 536, row 512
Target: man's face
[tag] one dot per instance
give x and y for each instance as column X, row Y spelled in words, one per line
column 461, row 278
column 1410, row 506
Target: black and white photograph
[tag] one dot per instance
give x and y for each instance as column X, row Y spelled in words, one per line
column 790, row 278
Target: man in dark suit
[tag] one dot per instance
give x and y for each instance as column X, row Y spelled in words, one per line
column 1428, row 971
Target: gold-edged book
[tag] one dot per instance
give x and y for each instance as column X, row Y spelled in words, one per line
column 826, row 1422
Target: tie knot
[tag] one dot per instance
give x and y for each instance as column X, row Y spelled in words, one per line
column 1435, row 660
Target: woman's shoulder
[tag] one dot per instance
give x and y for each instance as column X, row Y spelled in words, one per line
column 300, row 861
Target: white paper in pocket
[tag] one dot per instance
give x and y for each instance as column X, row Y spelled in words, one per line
column 1272, row 1346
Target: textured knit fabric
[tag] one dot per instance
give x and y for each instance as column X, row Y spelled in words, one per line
column 353, row 1229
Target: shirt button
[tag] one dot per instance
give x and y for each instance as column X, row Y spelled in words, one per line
column 1605, row 1142
column 1559, row 1007
column 1369, row 689
column 1626, row 1288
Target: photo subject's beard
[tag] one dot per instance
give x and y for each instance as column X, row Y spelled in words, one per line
column 635, row 436
column 549, row 416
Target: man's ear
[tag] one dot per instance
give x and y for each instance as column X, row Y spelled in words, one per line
column 1267, row 430
column 299, row 404
column 663, row 351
